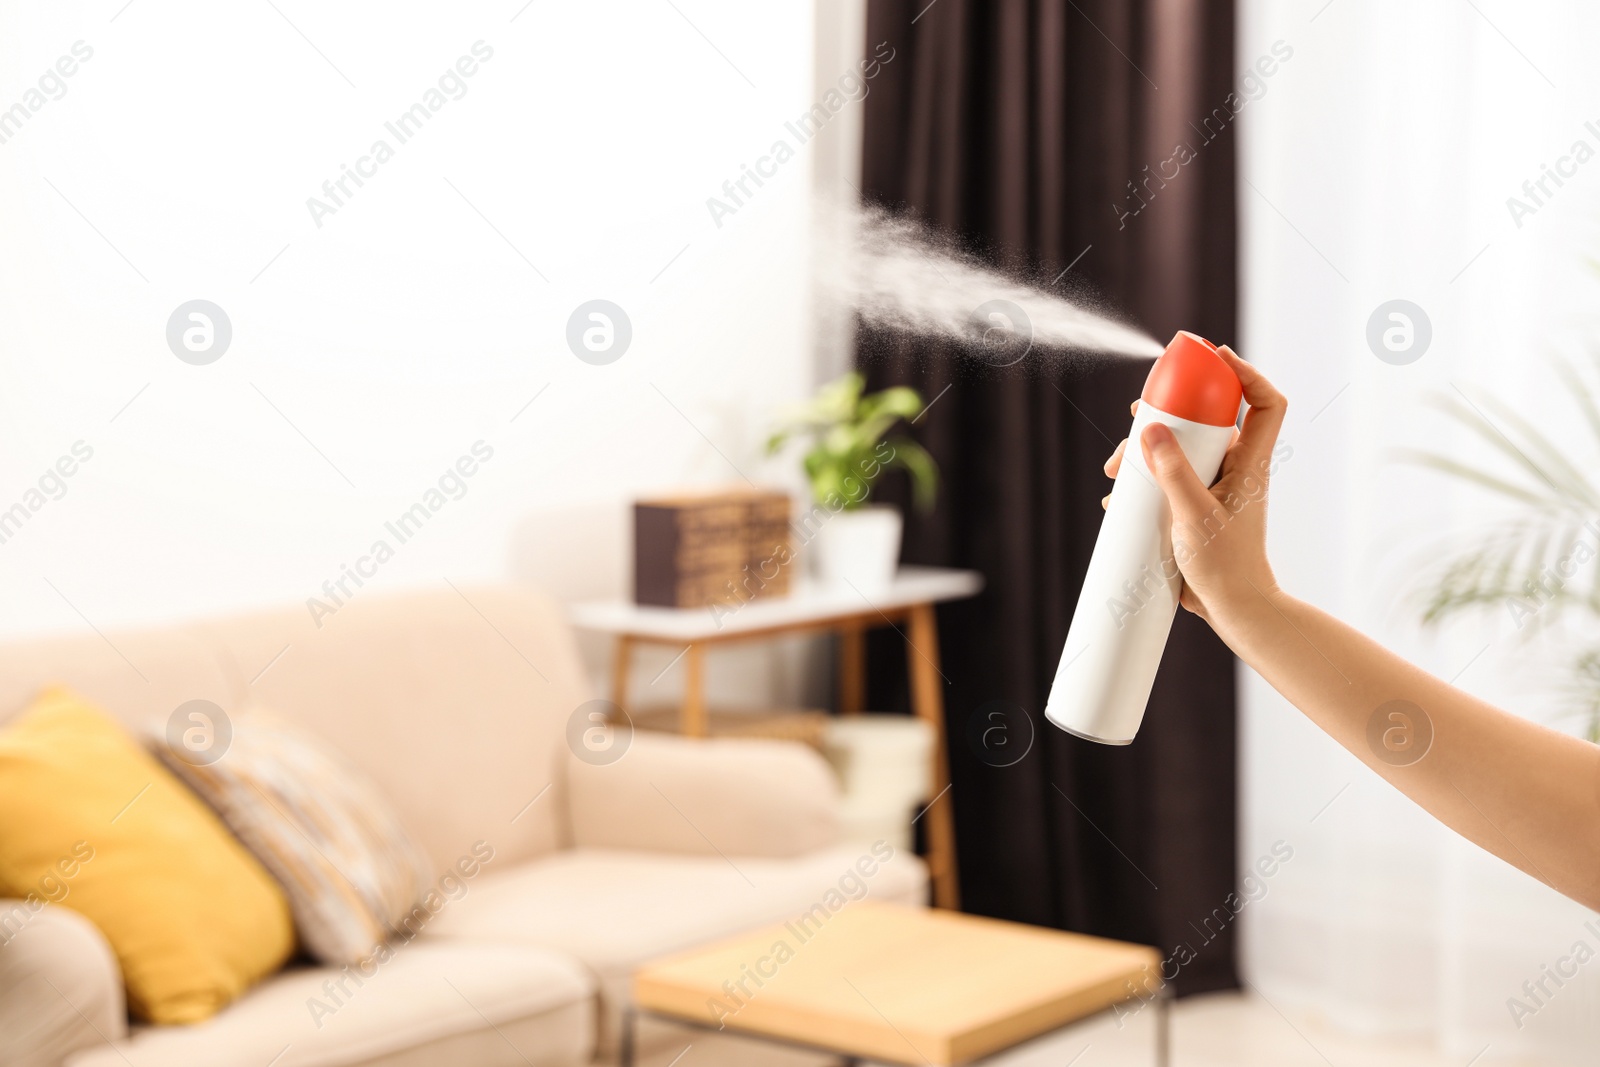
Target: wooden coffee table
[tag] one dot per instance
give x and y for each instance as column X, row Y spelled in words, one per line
column 897, row 984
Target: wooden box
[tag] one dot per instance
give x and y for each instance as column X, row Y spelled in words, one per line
column 710, row 549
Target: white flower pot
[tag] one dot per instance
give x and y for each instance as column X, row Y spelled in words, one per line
column 859, row 548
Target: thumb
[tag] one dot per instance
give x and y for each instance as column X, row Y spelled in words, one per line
column 1190, row 499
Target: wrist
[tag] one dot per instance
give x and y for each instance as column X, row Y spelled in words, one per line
column 1250, row 605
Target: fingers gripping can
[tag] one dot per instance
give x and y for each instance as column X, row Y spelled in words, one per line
column 1130, row 593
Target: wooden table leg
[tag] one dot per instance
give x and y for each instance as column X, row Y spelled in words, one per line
column 692, row 718
column 852, row 668
column 621, row 663
column 927, row 699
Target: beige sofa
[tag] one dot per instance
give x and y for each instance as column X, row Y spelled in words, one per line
column 458, row 705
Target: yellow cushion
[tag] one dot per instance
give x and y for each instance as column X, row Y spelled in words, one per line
column 96, row 824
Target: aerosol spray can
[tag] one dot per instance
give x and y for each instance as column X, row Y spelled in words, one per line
column 1130, row 594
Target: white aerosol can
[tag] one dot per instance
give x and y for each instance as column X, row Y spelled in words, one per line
column 1130, row 594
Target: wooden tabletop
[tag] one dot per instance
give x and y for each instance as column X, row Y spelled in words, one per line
column 808, row 605
column 906, row 985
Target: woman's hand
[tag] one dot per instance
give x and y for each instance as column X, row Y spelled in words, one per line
column 1520, row 790
column 1219, row 535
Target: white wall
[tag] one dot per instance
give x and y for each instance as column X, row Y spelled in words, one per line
column 177, row 165
column 1381, row 158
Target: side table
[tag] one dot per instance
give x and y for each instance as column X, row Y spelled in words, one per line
column 907, row 605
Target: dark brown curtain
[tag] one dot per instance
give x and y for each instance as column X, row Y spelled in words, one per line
column 1024, row 128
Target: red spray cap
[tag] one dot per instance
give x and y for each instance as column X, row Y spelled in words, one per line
column 1192, row 382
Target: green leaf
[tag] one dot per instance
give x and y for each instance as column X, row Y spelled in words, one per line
column 1580, row 391
column 924, row 473
column 1540, row 453
column 845, row 428
column 1457, row 469
column 900, row 401
column 1558, row 479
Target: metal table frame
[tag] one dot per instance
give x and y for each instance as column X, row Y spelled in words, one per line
column 631, row 1015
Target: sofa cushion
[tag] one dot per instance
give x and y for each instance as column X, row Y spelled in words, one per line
column 454, row 701
column 614, row 910
column 740, row 796
column 94, row 822
column 452, row 1004
column 60, row 989
column 350, row 869
column 139, row 677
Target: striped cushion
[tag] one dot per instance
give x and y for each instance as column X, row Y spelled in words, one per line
column 350, row 869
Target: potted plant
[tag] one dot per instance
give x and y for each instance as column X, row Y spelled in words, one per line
column 853, row 541
column 1540, row 563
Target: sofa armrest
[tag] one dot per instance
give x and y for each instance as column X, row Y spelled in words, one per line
column 60, row 988
column 729, row 796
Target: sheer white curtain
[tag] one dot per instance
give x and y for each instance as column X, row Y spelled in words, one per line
column 1377, row 166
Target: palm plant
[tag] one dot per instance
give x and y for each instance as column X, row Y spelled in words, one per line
column 1536, row 564
column 850, row 447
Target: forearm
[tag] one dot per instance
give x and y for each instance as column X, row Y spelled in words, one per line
column 1527, row 793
